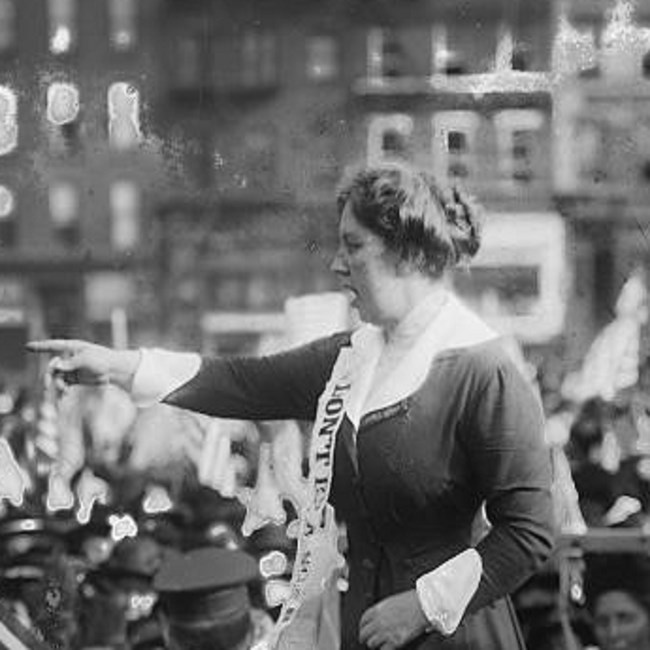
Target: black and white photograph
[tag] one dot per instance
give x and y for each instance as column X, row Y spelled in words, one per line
column 324, row 325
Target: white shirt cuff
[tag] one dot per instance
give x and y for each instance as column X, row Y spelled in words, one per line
column 445, row 592
column 160, row 372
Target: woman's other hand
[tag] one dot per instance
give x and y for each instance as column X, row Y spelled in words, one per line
column 88, row 364
column 393, row 622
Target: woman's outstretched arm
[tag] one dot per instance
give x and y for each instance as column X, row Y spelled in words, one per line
column 280, row 386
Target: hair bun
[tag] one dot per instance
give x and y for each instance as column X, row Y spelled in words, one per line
column 464, row 218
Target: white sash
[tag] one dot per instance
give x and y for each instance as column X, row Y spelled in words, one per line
column 317, row 556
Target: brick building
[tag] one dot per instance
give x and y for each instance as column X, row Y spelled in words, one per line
column 76, row 176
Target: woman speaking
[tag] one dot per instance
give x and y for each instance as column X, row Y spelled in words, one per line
column 427, row 441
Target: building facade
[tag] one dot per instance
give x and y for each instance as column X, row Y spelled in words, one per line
column 76, row 175
column 168, row 167
column 276, row 104
column 602, row 153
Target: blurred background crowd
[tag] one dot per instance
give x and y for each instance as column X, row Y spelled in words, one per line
column 167, row 178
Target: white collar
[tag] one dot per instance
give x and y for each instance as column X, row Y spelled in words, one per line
column 448, row 327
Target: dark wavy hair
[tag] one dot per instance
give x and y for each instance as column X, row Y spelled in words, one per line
column 433, row 227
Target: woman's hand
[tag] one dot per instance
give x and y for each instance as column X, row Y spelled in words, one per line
column 393, row 622
column 89, row 364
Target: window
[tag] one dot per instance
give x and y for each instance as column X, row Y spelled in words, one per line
column 62, row 25
column 259, row 58
column 389, row 137
column 512, row 54
column 438, row 49
column 398, row 53
column 518, row 137
column 523, row 145
column 454, row 136
column 259, row 158
column 64, row 211
column 392, row 55
column 125, row 215
column 62, row 113
column 642, row 137
column 517, row 281
column 62, row 103
column 187, row 63
column 7, row 217
column 123, row 115
column 8, row 120
column 386, row 56
column 522, row 57
column 7, row 25
column 645, row 65
column 459, row 52
column 583, row 53
column 122, row 21
column 322, row 58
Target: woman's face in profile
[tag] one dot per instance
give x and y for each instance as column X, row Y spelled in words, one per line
column 367, row 271
column 621, row 622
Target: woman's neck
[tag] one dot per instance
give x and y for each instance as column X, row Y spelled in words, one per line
column 419, row 294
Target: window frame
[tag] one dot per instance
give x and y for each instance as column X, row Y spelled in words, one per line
column 12, row 119
column 378, row 125
column 445, row 122
column 67, row 19
column 136, row 108
column 125, row 23
column 508, row 122
column 135, row 211
column 335, row 63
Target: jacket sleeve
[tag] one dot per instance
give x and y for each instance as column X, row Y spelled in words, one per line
column 511, row 465
column 280, row 386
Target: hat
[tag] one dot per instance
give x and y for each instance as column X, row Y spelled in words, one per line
column 29, row 541
column 203, row 595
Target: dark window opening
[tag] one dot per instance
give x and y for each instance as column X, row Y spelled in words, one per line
column 392, row 58
column 457, row 141
column 592, row 72
column 69, row 235
column 522, row 155
column 453, row 68
column 394, row 142
column 7, row 232
column 646, row 65
column 645, row 171
column 458, row 170
column 521, row 57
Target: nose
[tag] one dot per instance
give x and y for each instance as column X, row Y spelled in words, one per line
column 339, row 265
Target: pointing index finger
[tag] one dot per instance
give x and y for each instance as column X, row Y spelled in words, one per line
column 54, row 345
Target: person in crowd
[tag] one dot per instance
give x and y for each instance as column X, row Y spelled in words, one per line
column 424, row 424
column 597, row 487
column 617, row 589
column 203, row 599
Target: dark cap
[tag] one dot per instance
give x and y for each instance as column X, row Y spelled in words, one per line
column 204, row 593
